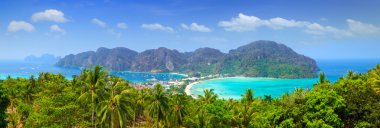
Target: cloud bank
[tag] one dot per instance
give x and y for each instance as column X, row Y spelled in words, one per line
column 244, row 23
column 157, row 27
column 98, row 22
column 196, row 27
column 49, row 15
column 15, row 26
column 56, row 28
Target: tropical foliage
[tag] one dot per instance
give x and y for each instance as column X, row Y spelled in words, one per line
column 97, row 99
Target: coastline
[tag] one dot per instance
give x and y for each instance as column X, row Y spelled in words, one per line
column 189, row 86
column 192, row 84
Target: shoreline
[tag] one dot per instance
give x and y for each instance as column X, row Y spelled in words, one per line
column 189, row 86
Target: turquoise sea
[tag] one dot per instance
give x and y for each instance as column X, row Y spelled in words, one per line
column 26, row 69
column 235, row 87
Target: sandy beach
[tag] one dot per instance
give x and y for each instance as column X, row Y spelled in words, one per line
column 187, row 89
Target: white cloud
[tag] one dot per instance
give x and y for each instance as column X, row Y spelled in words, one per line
column 361, row 28
column 56, row 28
column 355, row 28
column 244, row 23
column 280, row 23
column 98, row 22
column 157, row 26
column 109, row 30
column 196, row 27
column 49, row 15
column 122, row 25
column 319, row 30
column 15, row 26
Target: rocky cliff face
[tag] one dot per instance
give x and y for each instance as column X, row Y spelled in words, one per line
column 158, row 60
column 205, row 55
column 115, row 59
column 204, row 60
column 260, row 58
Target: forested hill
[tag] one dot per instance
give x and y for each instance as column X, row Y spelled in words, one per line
column 257, row 59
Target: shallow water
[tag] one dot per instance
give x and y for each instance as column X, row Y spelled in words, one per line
column 235, row 87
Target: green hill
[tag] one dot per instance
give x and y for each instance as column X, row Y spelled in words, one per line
column 257, row 59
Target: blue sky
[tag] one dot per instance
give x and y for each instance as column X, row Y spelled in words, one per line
column 339, row 29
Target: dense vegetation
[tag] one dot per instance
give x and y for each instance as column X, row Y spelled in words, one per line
column 96, row 99
column 257, row 59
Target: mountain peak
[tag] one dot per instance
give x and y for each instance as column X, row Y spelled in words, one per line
column 261, row 58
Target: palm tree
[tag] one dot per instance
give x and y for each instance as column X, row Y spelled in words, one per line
column 322, row 78
column 231, row 103
column 4, row 102
column 158, row 104
column 268, row 98
column 209, row 96
column 28, row 90
column 247, row 112
column 11, row 90
column 177, row 111
column 94, row 82
column 32, row 81
column 116, row 108
column 233, row 106
column 247, row 115
column 201, row 119
column 248, row 97
column 140, row 100
column 374, row 77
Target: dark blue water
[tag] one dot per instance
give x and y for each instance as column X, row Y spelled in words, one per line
column 25, row 70
column 334, row 69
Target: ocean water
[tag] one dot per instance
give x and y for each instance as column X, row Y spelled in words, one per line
column 235, row 87
column 26, row 69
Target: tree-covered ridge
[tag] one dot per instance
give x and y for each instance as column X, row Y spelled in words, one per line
column 268, row 59
column 257, row 59
column 96, row 99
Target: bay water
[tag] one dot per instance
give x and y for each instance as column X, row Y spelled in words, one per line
column 24, row 69
column 236, row 86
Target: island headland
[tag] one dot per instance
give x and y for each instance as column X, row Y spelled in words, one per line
column 257, row 59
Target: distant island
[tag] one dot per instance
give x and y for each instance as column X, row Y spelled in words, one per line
column 44, row 58
column 257, row 59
